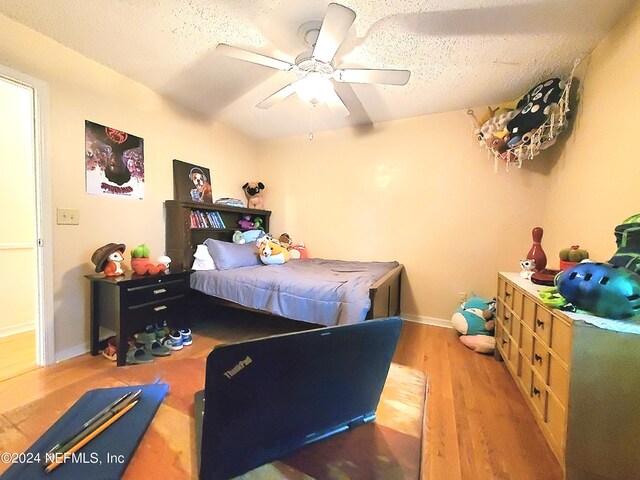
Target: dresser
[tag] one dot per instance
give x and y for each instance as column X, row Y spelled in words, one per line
column 128, row 303
column 581, row 382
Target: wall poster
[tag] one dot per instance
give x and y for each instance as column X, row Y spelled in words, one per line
column 114, row 162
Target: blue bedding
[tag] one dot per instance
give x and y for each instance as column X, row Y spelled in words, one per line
column 328, row 292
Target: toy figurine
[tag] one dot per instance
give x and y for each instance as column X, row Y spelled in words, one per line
column 108, row 259
column 528, row 267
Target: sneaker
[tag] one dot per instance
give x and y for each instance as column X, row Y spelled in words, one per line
column 185, row 333
column 162, row 330
column 173, row 341
column 148, row 336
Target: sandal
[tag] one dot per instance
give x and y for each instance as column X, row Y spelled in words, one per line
column 138, row 355
column 156, row 349
column 110, row 352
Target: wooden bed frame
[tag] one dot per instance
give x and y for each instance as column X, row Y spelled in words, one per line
column 181, row 239
column 384, row 295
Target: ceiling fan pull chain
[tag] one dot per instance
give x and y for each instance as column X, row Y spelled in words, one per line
column 313, row 106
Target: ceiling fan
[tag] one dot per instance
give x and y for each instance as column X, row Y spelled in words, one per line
column 317, row 77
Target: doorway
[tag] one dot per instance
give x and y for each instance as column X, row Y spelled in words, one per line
column 26, row 324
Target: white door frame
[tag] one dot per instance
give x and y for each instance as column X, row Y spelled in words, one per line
column 45, row 350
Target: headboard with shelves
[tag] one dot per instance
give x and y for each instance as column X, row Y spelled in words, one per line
column 187, row 224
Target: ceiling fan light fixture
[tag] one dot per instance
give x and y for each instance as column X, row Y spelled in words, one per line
column 314, row 88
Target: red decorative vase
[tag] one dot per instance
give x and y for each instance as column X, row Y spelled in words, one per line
column 536, row 252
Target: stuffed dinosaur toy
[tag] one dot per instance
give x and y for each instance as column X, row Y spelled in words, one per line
column 474, row 321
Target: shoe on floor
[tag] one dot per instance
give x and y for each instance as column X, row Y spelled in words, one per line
column 185, row 333
column 148, row 336
column 173, row 341
column 110, row 352
column 156, row 349
column 137, row 355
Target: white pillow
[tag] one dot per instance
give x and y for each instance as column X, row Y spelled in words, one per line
column 202, row 259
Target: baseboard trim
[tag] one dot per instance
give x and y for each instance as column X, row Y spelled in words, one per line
column 436, row 322
column 83, row 348
column 19, row 328
column 71, row 352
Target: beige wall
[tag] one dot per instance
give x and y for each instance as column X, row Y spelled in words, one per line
column 419, row 191
column 81, row 90
column 595, row 184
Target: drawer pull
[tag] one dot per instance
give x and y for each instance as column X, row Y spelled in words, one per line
column 539, row 323
column 504, row 342
column 507, row 294
column 537, row 358
column 159, row 291
column 160, row 308
column 506, row 319
column 536, row 392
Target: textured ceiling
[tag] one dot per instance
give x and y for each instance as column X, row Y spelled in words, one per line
column 460, row 53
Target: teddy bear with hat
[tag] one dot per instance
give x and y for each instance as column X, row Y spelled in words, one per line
column 108, row 259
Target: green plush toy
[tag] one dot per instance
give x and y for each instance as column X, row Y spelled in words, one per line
column 474, row 321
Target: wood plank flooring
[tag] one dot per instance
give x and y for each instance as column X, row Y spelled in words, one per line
column 17, row 354
column 478, row 426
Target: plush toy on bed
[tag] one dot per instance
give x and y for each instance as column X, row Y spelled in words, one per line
column 296, row 251
column 474, row 321
column 271, row 252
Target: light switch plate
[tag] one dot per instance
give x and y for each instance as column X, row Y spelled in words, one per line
column 68, row 216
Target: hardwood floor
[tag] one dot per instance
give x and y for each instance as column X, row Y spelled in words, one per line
column 17, row 354
column 478, row 426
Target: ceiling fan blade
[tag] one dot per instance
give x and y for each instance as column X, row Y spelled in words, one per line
column 362, row 75
column 336, row 105
column 359, row 115
column 277, row 97
column 253, row 57
column 335, row 26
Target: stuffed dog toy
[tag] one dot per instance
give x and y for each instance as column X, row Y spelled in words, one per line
column 253, row 191
column 271, row 252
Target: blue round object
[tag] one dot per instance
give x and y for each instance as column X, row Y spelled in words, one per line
column 601, row 288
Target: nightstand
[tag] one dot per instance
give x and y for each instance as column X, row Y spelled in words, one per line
column 127, row 304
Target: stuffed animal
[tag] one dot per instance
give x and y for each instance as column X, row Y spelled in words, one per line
column 527, row 266
column 474, row 321
column 272, row 253
column 108, row 259
column 238, row 238
column 245, row 223
column 253, row 191
column 296, row 251
column 257, row 223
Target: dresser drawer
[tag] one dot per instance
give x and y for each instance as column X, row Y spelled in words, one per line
column 529, row 313
column 526, row 374
column 156, row 312
column 557, row 421
column 561, row 339
column 526, row 343
column 513, row 355
column 540, row 359
column 539, row 395
column 507, row 320
column 543, row 324
column 518, row 302
column 156, row 292
column 558, row 380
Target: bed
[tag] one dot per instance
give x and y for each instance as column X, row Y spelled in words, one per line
column 326, row 292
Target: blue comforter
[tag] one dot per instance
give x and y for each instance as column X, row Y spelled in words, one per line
column 328, row 292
